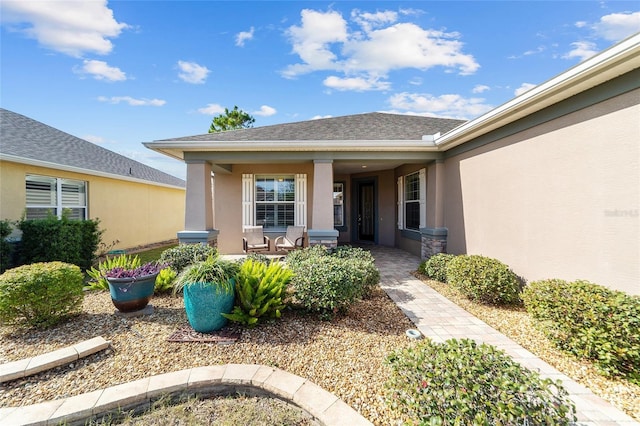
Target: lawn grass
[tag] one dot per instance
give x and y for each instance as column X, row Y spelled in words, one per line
column 152, row 254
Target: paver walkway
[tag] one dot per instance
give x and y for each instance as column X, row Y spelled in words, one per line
column 440, row 319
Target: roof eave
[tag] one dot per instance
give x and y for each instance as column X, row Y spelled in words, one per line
column 176, row 149
column 609, row 64
column 73, row 169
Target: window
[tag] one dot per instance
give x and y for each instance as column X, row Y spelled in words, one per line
column 275, row 201
column 338, row 204
column 412, row 190
column 48, row 195
column 412, row 201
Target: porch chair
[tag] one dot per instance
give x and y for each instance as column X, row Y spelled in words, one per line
column 293, row 239
column 254, row 240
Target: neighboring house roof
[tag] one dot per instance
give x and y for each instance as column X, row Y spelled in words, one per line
column 25, row 140
column 374, row 126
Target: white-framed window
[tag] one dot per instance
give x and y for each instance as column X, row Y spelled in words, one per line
column 50, row 195
column 274, row 201
column 412, row 194
column 338, row 204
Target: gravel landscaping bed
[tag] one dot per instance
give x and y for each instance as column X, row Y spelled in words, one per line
column 344, row 356
column 517, row 324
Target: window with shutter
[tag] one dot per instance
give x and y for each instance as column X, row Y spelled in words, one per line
column 49, row 195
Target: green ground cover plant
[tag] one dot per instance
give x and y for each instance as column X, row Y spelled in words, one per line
column 460, row 382
column 40, row 294
column 589, row 321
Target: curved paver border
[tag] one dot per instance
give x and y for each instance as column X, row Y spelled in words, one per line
column 207, row 381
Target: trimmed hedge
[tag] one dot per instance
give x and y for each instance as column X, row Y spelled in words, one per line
column 41, row 294
column 589, row 321
column 459, row 382
column 436, row 266
column 483, row 279
column 64, row 240
column 5, row 246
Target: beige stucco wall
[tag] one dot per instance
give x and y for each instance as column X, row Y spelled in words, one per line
column 228, row 201
column 560, row 200
column 134, row 213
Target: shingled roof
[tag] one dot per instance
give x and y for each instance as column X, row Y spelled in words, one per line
column 28, row 139
column 370, row 126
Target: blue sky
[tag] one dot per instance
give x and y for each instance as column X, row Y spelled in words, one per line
column 120, row 73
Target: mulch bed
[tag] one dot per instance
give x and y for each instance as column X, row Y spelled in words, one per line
column 222, row 337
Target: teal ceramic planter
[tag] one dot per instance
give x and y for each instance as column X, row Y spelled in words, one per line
column 205, row 304
column 129, row 295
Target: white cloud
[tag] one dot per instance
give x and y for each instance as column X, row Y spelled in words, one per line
column 370, row 20
column 132, row 101
column 324, row 42
column 265, row 111
column 100, row 70
column 581, row 50
column 617, row 26
column 191, row 72
column 243, row 36
column 211, row 109
column 357, row 84
column 524, row 87
column 318, row 117
column 450, row 105
column 311, row 41
column 72, row 27
column 480, row 88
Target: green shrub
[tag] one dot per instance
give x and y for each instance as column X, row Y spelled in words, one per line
column 436, row 266
column 164, row 281
column 366, row 274
column 329, row 281
column 325, row 287
column 5, row 246
column 316, row 253
column 64, row 240
column 589, row 321
column 483, row 279
column 459, row 382
column 256, row 257
column 97, row 275
column 183, row 255
column 41, row 294
column 260, row 292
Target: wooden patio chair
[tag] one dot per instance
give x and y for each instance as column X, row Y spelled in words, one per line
column 293, row 239
column 254, row 240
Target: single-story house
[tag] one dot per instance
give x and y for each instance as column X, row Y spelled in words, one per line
column 43, row 169
column 548, row 183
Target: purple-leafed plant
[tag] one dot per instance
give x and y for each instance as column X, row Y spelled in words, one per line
column 147, row 269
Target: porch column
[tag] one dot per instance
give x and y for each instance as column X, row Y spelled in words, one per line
column 322, row 230
column 434, row 236
column 198, row 221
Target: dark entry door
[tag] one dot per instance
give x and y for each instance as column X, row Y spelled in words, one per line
column 366, row 212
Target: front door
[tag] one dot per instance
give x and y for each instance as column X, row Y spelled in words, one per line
column 366, row 211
